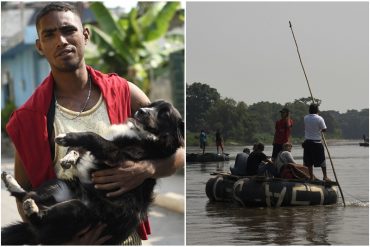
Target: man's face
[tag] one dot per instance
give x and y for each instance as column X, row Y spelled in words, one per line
column 62, row 40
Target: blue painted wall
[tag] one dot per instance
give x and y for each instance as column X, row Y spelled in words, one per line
column 26, row 67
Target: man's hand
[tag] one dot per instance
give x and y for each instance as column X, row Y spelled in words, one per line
column 90, row 236
column 125, row 177
column 128, row 175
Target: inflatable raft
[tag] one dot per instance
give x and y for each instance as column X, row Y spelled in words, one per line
column 206, row 157
column 270, row 192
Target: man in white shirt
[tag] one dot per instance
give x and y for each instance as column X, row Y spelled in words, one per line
column 284, row 157
column 314, row 154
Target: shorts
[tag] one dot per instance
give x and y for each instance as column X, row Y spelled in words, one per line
column 313, row 153
column 276, row 148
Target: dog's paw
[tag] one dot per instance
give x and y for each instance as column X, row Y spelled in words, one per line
column 71, row 139
column 30, row 207
column 3, row 177
column 70, row 159
column 10, row 183
column 62, row 140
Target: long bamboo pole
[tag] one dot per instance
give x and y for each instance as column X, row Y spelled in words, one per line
column 313, row 100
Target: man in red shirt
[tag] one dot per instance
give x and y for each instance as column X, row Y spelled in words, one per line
column 283, row 129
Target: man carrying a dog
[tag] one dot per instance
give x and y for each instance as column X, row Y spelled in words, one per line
column 75, row 97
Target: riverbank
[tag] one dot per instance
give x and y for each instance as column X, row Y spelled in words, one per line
column 192, row 139
column 295, row 141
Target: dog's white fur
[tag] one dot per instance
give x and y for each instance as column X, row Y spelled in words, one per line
column 63, row 194
column 115, row 130
column 128, row 129
column 86, row 163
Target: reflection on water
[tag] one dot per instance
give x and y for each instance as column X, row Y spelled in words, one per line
column 281, row 226
column 227, row 224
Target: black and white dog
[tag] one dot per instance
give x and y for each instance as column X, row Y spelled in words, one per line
column 61, row 208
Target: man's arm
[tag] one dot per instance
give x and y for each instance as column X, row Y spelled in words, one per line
column 22, row 179
column 138, row 98
column 168, row 166
column 131, row 174
column 266, row 159
column 322, row 125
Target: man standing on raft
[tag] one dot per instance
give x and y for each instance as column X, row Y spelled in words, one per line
column 313, row 150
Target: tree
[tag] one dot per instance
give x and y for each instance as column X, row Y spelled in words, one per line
column 6, row 112
column 245, row 127
column 265, row 114
column 298, row 109
column 333, row 129
column 354, row 124
column 199, row 99
column 129, row 45
column 247, row 124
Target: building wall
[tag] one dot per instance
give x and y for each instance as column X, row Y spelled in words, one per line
column 26, row 70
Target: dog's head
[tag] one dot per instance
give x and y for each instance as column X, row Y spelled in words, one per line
column 162, row 119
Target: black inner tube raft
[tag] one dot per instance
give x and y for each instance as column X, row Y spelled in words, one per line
column 270, row 192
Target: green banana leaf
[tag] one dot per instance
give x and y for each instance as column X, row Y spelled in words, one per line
column 129, row 45
column 105, row 19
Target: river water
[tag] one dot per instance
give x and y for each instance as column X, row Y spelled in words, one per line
column 227, row 224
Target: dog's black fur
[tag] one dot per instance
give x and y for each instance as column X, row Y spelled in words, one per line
column 63, row 207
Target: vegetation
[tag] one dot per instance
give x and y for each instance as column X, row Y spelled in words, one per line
column 243, row 124
column 6, row 112
column 130, row 44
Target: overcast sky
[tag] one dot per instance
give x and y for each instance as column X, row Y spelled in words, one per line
column 246, row 51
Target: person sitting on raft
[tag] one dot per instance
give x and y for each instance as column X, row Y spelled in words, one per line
column 286, row 165
column 255, row 159
column 240, row 166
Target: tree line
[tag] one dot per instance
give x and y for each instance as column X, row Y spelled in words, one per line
column 246, row 124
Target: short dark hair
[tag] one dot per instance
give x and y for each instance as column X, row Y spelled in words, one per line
column 258, row 146
column 314, row 109
column 55, row 6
